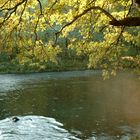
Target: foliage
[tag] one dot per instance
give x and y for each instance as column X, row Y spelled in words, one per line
column 24, row 37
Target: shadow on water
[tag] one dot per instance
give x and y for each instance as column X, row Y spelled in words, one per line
column 89, row 107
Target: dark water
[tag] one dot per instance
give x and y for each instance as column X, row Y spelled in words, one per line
column 88, row 107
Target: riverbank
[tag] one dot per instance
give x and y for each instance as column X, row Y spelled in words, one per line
column 65, row 65
column 70, row 64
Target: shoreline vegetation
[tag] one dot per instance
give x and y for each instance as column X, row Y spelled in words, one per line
column 65, row 65
column 66, row 62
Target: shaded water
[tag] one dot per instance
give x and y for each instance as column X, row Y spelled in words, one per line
column 87, row 106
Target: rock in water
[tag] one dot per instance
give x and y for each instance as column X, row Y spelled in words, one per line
column 15, row 119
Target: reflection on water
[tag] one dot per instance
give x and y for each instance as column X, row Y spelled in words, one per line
column 87, row 106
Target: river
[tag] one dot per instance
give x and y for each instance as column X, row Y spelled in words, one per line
column 88, row 107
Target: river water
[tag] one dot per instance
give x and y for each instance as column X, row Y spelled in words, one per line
column 86, row 106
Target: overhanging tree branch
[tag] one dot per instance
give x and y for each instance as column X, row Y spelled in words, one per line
column 128, row 21
column 82, row 14
column 12, row 10
column 85, row 12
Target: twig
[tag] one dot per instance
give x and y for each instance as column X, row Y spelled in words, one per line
column 53, row 4
column 4, row 4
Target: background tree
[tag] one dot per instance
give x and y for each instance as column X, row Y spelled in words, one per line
column 106, row 31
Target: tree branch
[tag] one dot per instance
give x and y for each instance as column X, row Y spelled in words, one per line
column 11, row 11
column 82, row 14
column 4, row 4
column 13, row 8
column 53, row 4
column 85, row 12
column 40, row 6
column 22, row 12
column 128, row 21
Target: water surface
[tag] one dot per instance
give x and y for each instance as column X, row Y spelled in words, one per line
column 88, row 107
